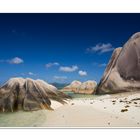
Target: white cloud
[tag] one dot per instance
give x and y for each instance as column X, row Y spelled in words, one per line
column 68, row 69
column 29, row 73
column 32, row 74
column 60, row 78
column 52, row 64
column 15, row 60
column 82, row 73
column 101, row 48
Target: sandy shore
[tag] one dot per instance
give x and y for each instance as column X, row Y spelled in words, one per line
column 104, row 111
column 117, row 110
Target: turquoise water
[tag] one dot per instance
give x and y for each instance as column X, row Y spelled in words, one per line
column 23, row 118
column 78, row 96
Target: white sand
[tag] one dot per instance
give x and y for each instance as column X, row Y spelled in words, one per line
column 98, row 112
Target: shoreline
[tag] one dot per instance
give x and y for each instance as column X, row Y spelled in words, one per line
column 100, row 112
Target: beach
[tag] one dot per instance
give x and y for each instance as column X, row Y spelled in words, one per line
column 103, row 111
column 117, row 110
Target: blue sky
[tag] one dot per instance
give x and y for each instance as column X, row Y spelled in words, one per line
column 61, row 47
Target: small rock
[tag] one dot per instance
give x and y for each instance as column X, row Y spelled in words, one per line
column 108, row 123
column 135, row 102
column 124, row 110
column 128, row 102
column 114, row 101
column 35, row 125
column 104, row 107
column 91, row 103
column 121, row 101
column 135, row 99
column 72, row 103
column 127, row 106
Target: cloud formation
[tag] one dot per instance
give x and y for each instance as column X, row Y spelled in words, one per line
column 52, row 64
column 101, row 48
column 68, row 69
column 15, row 60
column 31, row 73
column 82, row 73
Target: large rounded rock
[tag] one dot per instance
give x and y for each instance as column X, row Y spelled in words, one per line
column 87, row 87
column 28, row 94
column 73, row 87
column 122, row 73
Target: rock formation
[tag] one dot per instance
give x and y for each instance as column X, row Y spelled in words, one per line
column 73, row 87
column 87, row 87
column 122, row 73
column 29, row 95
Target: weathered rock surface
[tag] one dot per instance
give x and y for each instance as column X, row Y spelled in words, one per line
column 122, row 73
column 28, row 95
column 87, row 87
column 73, row 87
